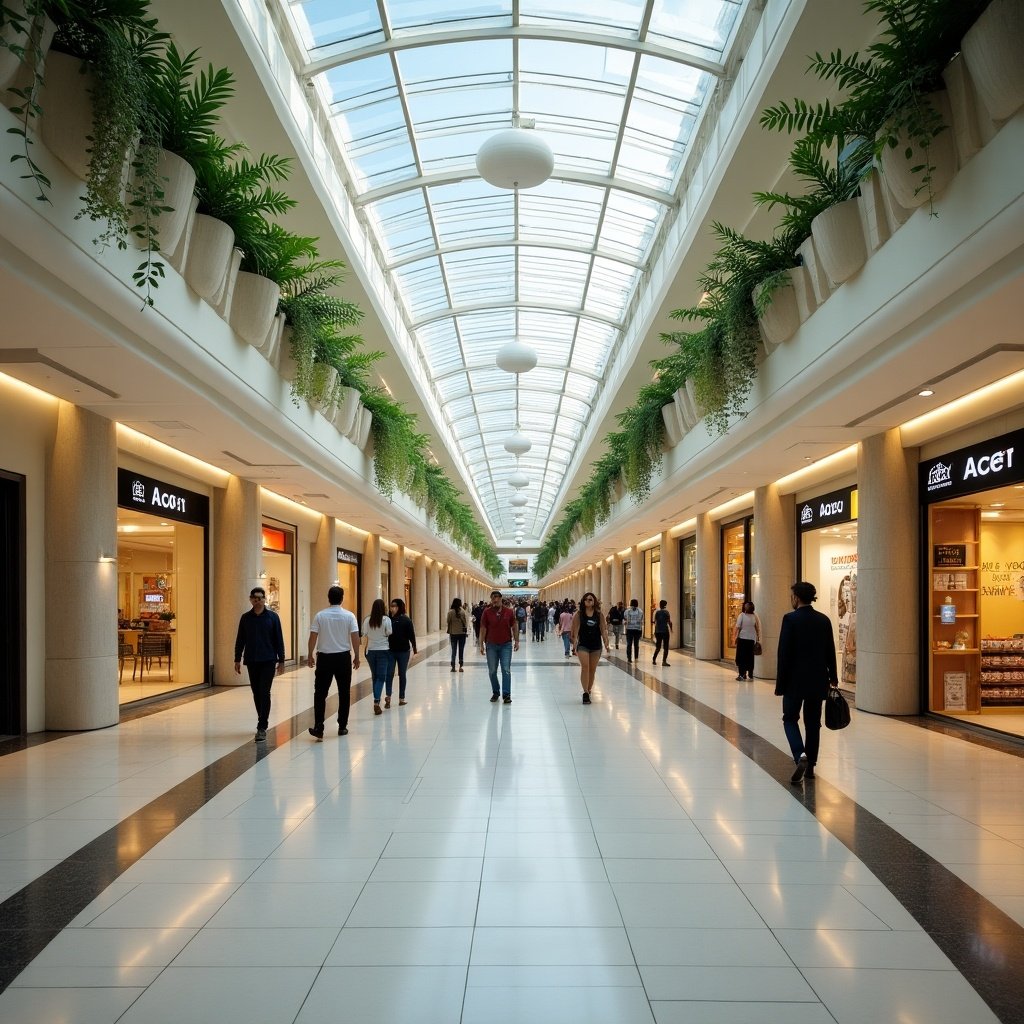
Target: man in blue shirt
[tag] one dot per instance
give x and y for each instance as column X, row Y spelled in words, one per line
column 261, row 639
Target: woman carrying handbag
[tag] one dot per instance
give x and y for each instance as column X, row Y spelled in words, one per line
column 457, row 628
column 746, row 638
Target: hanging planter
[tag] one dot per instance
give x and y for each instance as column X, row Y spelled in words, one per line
column 345, row 412
column 221, row 302
column 363, row 424
column 674, row 426
column 178, row 257
column 820, row 283
column 66, row 120
column 781, row 317
column 918, row 179
column 803, row 291
column 253, row 307
column 210, row 254
column 17, row 71
column 993, row 49
column 178, row 182
column 272, row 343
column 839, row 241
column 287, row 367
column 871, row 206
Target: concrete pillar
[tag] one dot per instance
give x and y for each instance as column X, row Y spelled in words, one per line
column 606, row 586
column 369, row 582
column 419, row 595
column 616, row 584
column 670, row 589
column 445, row 595
column 323, row 574
column 773, row 565
column 708, row 646
column 397, row 561
column 433, row 597
column 81, row 572
column 887, row 577
column 237, row 547
column 588, row 579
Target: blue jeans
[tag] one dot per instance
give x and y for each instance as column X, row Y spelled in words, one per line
column 399, row 659
column 378, row 662
column 458, row 642
column 566, row 640
column 791, row 707
column 500, row 653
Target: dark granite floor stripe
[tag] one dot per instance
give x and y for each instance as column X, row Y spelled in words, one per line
column 983, row 943
column 33, row 916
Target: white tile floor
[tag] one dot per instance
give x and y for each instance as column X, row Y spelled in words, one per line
column 459, row 862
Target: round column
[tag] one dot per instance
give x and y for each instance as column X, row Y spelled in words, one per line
column 773, row 569
column 670, row 590
column 81, row 573
column 369, row 581
column 708, row 646
column 419, row 595
column 323, row 574
column 433, row 597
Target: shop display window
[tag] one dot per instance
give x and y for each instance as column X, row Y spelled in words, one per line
column 735, row 580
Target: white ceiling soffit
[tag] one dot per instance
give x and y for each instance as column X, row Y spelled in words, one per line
column 616, row 87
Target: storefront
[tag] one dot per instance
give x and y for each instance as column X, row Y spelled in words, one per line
column 827, row 557
column 278, row 577
column 652, row 575
column 973, row 530
column 688, row 561
column 737, row 543
column 162, row 556
column 348, row 580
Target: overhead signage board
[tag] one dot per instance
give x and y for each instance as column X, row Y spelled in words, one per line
column 981, row 467
column 158, row 498
column 828, row 510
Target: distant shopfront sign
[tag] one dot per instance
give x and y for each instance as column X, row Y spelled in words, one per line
column 981, row 467
column 828, row 510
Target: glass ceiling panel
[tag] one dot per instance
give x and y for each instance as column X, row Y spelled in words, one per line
column 411, row 106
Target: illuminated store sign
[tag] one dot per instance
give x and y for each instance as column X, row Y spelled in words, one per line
column 828, row 510
column 980, row 467
column 348, row 556
column 155, row 497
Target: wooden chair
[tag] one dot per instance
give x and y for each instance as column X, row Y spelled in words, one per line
column 153, row 645
column 124, row 652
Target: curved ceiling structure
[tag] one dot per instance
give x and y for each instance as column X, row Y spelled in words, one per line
column 412, row 89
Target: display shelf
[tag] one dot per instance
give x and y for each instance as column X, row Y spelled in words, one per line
column 961, row 650
column 959, row 616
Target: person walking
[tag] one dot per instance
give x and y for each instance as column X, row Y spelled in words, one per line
column 401, row 644
column 259, row 642
column 662, row 632
column 565, row 629
column 334, row 637
column 478, row 610
column 806, row 670
column 376, row 631
column 633, row 620
column 539, row 617
column 589, row 635
column 745, row 634
column 499, row 637
column 615, row 621
column 457, row 628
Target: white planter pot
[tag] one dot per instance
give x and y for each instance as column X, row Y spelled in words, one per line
column 285, row 362
column 272, row 343
column 806, row 302
column 871, row 206
column 179, row 183
column 362, row 439
column 906, row 186
column 687, row 408
column 323, row 379
column 66, row 121
column 179, row 256
column 963, row 110
column 674, row 429
column 781, row 319
column 839, row 241
column 16, row 73
column 994, row 51
column 691, row 393
column 820, row 283
column 345, row 413
column 253, row 307
column 210, row 250
column 221, row 302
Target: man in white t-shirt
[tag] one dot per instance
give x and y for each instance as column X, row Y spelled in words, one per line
column 334, row 637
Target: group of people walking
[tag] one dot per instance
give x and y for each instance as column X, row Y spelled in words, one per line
column 806, row 666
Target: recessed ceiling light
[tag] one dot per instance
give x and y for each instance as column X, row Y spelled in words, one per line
column 997, row 504
column 926, row 393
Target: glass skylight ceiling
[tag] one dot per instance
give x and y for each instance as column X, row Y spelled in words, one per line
column 414, row 87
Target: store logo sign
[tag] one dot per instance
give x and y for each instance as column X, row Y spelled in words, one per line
column 806, row 515
column 939, row 476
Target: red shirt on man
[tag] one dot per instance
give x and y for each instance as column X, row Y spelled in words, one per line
column 497, row 625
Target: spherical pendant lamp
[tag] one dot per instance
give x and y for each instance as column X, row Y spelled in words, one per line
column 519, row 541
column 518, row 443
column 515, row 158
column 515, row 357
column 518, row 480
column 519, row 500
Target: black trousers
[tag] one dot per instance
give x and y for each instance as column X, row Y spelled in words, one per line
column 328, row 668
column 261, row 678
column 745, row 657
column 633, row 643
column 661, row 644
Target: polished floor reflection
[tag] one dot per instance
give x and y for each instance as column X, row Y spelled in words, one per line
column 641, row 859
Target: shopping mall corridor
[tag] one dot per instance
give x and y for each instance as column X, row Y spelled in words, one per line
column 642, row 860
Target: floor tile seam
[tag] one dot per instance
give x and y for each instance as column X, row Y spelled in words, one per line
column 971, row 964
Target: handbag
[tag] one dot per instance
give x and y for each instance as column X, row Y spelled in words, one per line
column 837, row 711
column 757, row 647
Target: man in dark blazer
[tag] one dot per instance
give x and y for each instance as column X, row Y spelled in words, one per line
column 806, row 669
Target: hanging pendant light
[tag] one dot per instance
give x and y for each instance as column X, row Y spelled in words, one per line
column 517, row 443
column 519, row 500
column 515, row 158
column 516, row 357
column 518, row 480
